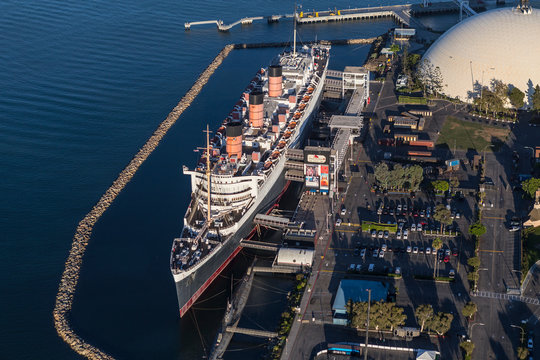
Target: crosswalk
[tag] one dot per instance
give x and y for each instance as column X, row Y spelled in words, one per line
column 493, row 295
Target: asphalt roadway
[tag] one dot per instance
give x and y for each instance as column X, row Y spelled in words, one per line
column 500, row 252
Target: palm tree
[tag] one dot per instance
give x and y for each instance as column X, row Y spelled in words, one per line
column 437, row 244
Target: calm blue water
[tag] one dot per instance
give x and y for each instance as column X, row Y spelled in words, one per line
column 83, row 85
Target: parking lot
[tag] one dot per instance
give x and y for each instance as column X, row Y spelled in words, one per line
column 407, row 249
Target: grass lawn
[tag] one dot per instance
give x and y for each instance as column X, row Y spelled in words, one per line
column 531, row 249
column 467, row 135
column 369, row 225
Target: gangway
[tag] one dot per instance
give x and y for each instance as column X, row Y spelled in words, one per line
column 276, row 269
column 252, row 332
column 258, row 245
column 464, row 7
column 276, row 222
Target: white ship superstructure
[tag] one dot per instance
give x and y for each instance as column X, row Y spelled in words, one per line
column 244, row 163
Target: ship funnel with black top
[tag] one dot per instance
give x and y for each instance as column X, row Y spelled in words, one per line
column 256, row 104
column 234, row 139
column 275, row 80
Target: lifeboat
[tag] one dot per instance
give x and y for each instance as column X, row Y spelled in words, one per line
column 302, row 106
column 306, row 98
column 221, row 129
column 267, row 165
column 297, row 116
column 275, row 154
column 281, row 145
column 292, row 124
column 287, row 135
column 310, row 90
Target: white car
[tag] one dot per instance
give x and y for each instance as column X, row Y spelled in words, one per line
column 384, row 247
column 405, row 234
column 358, row 267
column 428, row 250
column 381, row 254
column 338, row 222
column 413, row 227
column 352, row 267
column 375, row 253
column 371, row 267
column 419, row 227
column 415, row 250
column 398, row 270
column 398, row 235
column 409, row 249
column 399, row 207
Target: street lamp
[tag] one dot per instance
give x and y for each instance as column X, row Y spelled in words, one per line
column 522, row 331
column 472, row 327
column 367, row 325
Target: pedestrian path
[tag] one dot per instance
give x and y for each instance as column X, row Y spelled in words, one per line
column 493, row 295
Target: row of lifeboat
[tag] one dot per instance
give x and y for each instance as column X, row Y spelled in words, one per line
column 289, row 131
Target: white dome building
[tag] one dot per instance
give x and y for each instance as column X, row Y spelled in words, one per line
column 501, row 44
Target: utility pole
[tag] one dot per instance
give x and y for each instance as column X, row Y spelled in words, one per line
column 367, row 323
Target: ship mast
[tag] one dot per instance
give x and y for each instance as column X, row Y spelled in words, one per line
column 209, row 185
column 294, row 32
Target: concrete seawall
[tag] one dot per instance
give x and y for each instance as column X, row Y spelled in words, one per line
column 70, row 276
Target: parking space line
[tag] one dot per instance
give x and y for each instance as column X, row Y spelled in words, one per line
column 349, row 231
column 341, row 249
column 493, row 217
column 493, row 251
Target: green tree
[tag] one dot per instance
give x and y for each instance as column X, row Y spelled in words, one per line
column 474, row 261
column 440, row 323
column 522, row 352
column 477, row 229
column 442, row 215
column 436, row 245
column 396, row 178
column 469, row 309
column 415, row 175
column 536, row 98
column 468, row 348
column 397, row 316
column 440, row 186
column 516, row 97
column 394, row 48
column 412, row 61
column 382, row 174
column 530, row 186
column 382, row 315
column 423, row 314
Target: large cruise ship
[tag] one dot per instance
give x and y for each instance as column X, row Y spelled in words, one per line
column 241, row 170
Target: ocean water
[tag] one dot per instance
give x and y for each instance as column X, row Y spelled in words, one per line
column 83, row 85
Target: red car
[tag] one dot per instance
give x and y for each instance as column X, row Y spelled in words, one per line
column 446, row 258
column 455, row 252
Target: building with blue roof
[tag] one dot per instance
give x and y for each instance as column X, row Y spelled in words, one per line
column 355, row 290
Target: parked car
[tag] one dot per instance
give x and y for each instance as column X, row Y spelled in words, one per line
column 381, row 254
column 428, row 250
column 371, row 267
column 415, row 250
column 359, row 267
column 455, row 252
column 446, row 258
column 363, row 252
column 451, row 274
column 398, row 270
column 381, row 234
column 405, row 234
column 458, row 215
column 409, row 249
column 384, row 247
column 343, row 210
column 373, row 233
column 338, row 222
column 386, row 234
column 447, row 252
column 419, row 227
column 398, row 235
column 352, row 267
column 356, row 252
column 413, row 227
column 375, row 253
column 530, row 343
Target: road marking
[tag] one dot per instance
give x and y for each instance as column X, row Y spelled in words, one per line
column 494, row 251
column 347, row 231
column 333, row 271
column 341, row 249
column 492, row 217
